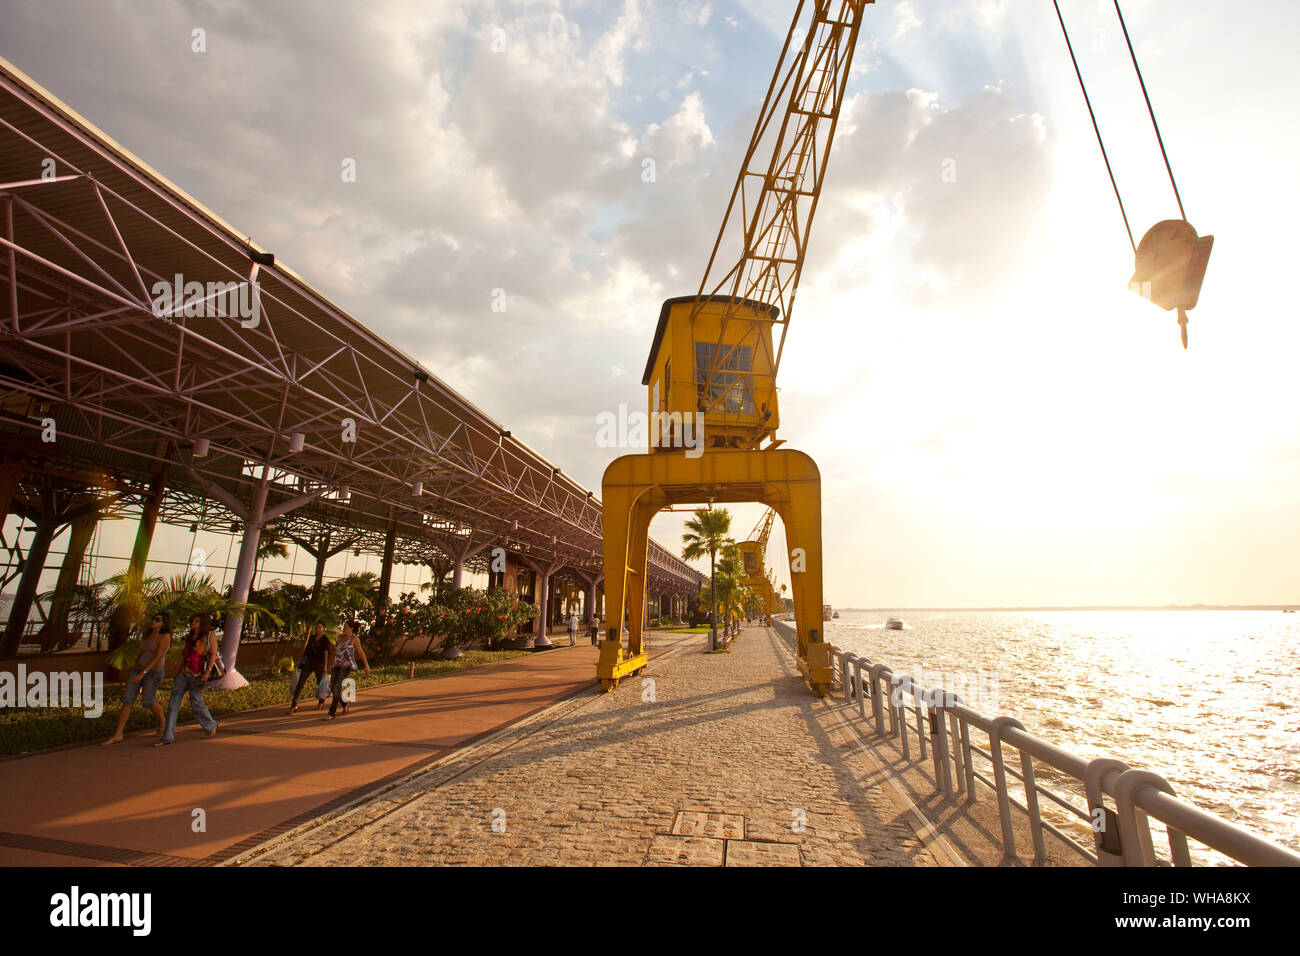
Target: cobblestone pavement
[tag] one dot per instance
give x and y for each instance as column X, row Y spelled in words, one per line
column 707, row 759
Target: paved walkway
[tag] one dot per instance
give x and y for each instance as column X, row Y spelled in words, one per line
column 722, row 759
column 265, row 772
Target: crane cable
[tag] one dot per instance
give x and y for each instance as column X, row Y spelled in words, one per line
column 1095, row 127
column 1159, row 139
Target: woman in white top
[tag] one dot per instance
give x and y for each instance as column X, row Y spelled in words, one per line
column 345, row 661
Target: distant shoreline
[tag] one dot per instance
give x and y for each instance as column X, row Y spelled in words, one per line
column 1092, row 607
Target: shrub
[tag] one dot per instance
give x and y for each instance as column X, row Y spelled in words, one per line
column 473, row 615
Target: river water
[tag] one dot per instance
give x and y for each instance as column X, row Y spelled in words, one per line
column 1207, row 699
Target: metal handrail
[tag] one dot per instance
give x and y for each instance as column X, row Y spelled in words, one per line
column 1122, row 835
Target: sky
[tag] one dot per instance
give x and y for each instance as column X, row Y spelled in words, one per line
column 997, row 419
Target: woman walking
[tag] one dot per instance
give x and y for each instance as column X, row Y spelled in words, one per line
column 197, row 660
column 145, row 676
column 315, row 660
column 345, row 661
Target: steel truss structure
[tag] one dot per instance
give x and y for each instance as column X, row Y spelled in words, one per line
column 290, row 411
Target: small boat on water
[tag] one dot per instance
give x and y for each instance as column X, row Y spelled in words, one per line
column 826, row 612
column 835, row 614
column 894, row 624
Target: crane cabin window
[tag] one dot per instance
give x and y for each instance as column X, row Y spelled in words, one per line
column 734, row 389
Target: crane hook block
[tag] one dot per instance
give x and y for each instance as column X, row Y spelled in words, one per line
column 1170, row 265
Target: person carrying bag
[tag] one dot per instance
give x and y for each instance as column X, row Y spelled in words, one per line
column 199, row 660
column 315, row 659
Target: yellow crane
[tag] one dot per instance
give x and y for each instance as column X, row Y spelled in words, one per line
column 711, row 374
column 753, row 556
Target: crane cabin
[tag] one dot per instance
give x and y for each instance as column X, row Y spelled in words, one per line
column 711, row 374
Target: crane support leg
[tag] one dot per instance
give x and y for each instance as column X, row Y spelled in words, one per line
column 637, row 487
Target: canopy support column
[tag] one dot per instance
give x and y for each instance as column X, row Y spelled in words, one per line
column 386, row 570
column 33, row 565
column 120, row 627
column 255, row 516
column 80, row 532
column 543, row 589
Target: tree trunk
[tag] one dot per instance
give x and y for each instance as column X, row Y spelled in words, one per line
column 713, row 597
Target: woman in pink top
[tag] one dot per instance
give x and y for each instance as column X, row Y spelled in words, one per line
column 197, row 659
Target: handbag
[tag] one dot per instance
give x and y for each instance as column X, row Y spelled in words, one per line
column 323, row 688
column 218, row 668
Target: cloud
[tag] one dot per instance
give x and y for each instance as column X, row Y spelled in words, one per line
column 906, row 18
column 968, row 182
column 695, row 14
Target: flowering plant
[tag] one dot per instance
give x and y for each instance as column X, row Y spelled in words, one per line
column 488, row 616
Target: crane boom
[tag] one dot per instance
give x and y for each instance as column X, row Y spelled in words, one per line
column 775, row 196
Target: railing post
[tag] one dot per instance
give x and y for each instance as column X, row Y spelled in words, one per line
column 968, row 760
column 1031, row 803
column 858, row 686
column 845, row 660
column 1134, row 829
column 920, row 723
column 898, row 713
column 1106, row 837
column 889, row 703
column 939, row 730
column 877, row 698
column 952, row 725
column 998, row 725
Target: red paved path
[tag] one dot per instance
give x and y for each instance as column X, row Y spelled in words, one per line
column 265, row 771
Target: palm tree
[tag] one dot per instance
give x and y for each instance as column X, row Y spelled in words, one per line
column 706, row 533
column 357, row 591
column 88, row 604
column 268, row 546
column 731, row 589
column 728, row 585
column 180, row 597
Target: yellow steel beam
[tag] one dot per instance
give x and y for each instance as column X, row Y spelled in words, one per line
column 636, row 487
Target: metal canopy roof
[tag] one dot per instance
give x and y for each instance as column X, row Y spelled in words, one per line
column 83, row 241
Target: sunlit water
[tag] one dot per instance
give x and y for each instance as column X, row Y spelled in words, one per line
column 1207, row 699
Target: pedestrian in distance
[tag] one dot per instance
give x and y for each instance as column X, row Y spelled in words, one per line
column 198, row 658
column 573, row 629
column 315, row 660
column 145, row 676
column 345, row 662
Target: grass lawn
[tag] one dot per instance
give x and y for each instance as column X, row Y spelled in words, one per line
column 24, row 730
column 689, row 630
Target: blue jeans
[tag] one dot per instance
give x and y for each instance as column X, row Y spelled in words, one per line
column 337, row 678
column 180, row 687
column 145, row 685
